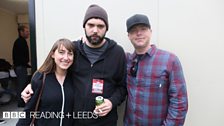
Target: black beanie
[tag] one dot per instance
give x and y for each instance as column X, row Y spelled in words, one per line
column 95, row 11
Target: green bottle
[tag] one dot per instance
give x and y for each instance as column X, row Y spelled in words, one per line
column 99, row 100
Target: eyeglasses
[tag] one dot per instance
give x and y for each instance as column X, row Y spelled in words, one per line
column 134, row 67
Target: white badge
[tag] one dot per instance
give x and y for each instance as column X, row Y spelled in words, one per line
column 97, row 86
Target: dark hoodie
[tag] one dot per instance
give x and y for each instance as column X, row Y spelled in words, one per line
column 110, row 67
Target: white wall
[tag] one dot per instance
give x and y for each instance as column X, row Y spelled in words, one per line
column 192, row 29
column 63, row 18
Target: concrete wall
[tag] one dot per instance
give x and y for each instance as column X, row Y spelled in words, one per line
column 193, row 30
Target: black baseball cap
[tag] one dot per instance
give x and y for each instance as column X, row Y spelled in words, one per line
column 137, row 19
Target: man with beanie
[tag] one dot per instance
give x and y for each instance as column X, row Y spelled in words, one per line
column 157, row 94
column 99, row 70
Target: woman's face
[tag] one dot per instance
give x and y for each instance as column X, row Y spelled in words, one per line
column 63, row 58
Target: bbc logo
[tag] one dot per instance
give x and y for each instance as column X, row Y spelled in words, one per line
column 14, row 115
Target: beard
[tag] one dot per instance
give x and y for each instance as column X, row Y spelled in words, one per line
column 95, row 39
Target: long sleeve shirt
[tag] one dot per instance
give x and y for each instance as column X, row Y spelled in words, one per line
column 157, row 95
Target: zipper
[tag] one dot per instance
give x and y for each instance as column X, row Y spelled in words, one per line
column 63, row 104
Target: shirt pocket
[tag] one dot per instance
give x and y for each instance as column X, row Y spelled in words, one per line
column 156, row 84
column 154, row 87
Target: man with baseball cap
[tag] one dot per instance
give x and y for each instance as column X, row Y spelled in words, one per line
column 99, row 70
column 156, row 86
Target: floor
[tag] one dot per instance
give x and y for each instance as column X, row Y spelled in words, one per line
column 11, row 107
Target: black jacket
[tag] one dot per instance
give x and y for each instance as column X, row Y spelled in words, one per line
column 20, row 52
column 110, row 67
column 50, row 107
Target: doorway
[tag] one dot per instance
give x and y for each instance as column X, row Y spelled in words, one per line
column 12, row 14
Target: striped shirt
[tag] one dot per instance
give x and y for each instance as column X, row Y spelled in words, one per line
column 157, row 95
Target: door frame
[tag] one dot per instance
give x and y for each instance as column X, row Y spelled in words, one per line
column 32, row 25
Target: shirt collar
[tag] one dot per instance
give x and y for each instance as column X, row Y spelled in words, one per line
column 150, row 52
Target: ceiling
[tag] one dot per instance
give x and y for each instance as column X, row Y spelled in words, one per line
column 15, row 6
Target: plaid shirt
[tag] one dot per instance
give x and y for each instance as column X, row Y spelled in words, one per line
column 157, row 95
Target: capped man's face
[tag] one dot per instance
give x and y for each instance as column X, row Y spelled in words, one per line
column 140, row 36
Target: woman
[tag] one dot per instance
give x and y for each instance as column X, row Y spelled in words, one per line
column 56, row 100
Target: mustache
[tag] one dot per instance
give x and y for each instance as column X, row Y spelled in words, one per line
column 94, row 35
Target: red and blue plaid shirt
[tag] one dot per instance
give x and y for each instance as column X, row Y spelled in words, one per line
column 157, row 95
